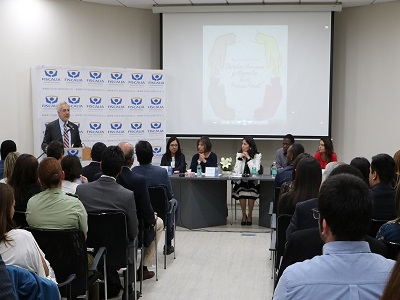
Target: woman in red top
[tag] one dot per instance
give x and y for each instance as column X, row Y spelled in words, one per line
column 325, row 152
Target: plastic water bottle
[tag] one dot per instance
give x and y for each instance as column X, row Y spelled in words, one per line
column 198, row 169
column 274, row 170
column 254, row 171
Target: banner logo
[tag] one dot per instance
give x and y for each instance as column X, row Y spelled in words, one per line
column 155, row 125
column 73, row 73
column 50, row 76
column 73, row 152
column 95, row 129
column 116, row 125
column 137, row 79
column 156, row 149
column 116, row 100
column 136, row 101
column 73, row 77
column 50, row 72
column 156, row 103
column 95, row 74
column 156, row 77
column 74, row 99
column 116, row 75
column 95, row 125
column 116, row 128
column 95, row 103
column 51, row 99
column 95, row 100
column 136, row 125
column 137, row 76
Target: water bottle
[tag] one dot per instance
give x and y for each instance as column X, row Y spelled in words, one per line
column 198, row 169
column 274, row 170
column 254, row 171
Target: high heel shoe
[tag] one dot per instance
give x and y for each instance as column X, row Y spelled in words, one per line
column 249, row 223
column 244, row 221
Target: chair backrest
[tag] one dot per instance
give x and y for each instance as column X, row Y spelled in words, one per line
column 66, row 251
column 282, row 223
column 20, row 219
column 159, row 201
column 393, row 249
column 374, row 226
column 109, row 229
column 277, row 192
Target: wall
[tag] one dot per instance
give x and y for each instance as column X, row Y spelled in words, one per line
column 63, row 32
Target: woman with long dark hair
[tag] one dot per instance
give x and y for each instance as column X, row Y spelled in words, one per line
column 173, row 156
column 325, row 153
column 247, row 159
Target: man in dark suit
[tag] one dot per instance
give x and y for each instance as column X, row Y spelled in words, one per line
column 62, row 129
column 381, row 174
column 156, row 175
column 94, row 167
column 105, row 194
column 145, row 213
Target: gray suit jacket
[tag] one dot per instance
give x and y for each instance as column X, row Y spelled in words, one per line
column 105, row 194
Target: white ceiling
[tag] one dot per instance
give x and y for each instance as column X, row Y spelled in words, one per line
column 149, row 4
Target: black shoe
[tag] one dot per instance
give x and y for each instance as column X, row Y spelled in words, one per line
column 249, row 223
column 146, row 274
column 244, row 221
column 170, row 249
column 131, row 295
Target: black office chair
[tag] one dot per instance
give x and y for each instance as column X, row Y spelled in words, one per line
column 374, row 226
column 393, row 249
column 66, row 251
column 19, row 218
column 160, row 203
column 282, row 223
column 109, row 230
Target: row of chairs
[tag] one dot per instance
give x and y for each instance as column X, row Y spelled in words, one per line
column 66, row 250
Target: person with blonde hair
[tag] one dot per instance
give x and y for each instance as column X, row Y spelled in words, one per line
column 9, row 164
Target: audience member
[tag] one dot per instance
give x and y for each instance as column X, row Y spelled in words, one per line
column 285, row 174
column 6, row 147
column 145, row 213
column 380, row 179
column 72, row 168
column 94, row 166
column 6, row 285
column 205, row 157
column 157, row 176
column 306, row 185
column 55, row 149
column 347, row 264
column 325, row 152
column 303, row 216
column 396, row 180
column 281, row 153
column 9, row 164
column 328, row 169
column 245, row 190
column 362, row 164
column 392, row 290
column 105, row 194
column 288, row 186
column 173, row 156
column 25, row 180
column 17, row 246
column 52, row 209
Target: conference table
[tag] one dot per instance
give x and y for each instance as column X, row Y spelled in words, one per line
column 203, row 201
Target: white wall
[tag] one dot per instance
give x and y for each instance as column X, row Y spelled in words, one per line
column 60, row 32
column 365, row 80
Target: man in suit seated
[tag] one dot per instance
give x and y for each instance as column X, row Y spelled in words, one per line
column 105, row 194
column 94, row 167
column 145, row 213
column 347, row 266
column 157, row 176
column 285, row 174
column 62, row 129
column 380, row 177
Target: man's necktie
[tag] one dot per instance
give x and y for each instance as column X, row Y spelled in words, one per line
column 66, row 137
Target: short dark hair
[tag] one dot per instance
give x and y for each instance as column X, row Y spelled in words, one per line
column 297, row 149
column 97, row 150
column 72, row 167
column 112, row 161
column 205, row 140
column 7, row 146
column 345, row 202
column 362, row 164
column 144, row 152
column 290, row 138
column 55, row 149
column 346, row 169
column 383, row 164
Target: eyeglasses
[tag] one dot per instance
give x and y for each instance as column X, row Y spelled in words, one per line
column 315, row 213
column 173, row 145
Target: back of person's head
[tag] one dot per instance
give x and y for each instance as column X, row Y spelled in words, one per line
column 384, row 165
column 6, row 147
column 308, row 179
column 178, row 151
column 25, row 174
column 144, row 152
column 329, row 168
column 290, row 138
column 97, row 150
column 346, row 169
column 296, row 149
column 9, row 164
column 252, row 144
column 72, row 167
column 50, row 173
column 112, row 161
column 296, row 162
column 362, row 164
column 346, row 205
column 205, row 140
column 127, row 149
column 55, row 149
column 6, row 208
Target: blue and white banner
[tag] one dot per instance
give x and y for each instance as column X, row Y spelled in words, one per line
column 109, row 105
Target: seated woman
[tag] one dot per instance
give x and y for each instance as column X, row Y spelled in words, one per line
column 72, row 169
column 247, row 159
column 306, row 185
column 325, row 153
column 362, row 164
column 9, row 164
column 17, row 246
column 205, row 157
column 24, row 180
column 173, row 156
